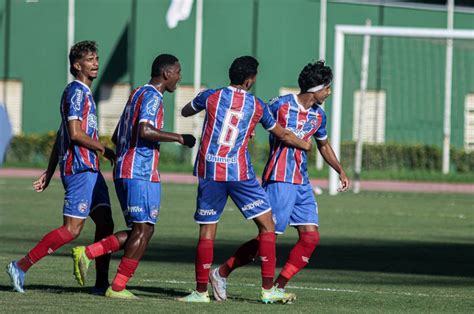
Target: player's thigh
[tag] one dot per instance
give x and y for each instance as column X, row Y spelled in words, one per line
column 282, row 196
column 210, row 202
column 249, row 197
column 306, row 207
column 100, row 194
column 140, row 200
column 79, row 189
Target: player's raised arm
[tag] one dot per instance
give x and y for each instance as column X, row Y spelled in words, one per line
column 188, row 110
column 330, row 157
column 290, row 139
column 150, row 133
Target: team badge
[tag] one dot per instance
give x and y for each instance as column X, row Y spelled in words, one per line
column 76, row 99
column 83, row 205
column 154, row 212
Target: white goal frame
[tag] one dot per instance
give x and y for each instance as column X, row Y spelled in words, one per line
column 341, row 31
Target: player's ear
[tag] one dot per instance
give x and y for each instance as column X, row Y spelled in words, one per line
column 166, row 74
column 77, row 66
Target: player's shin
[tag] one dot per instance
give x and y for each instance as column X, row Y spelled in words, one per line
column 299, row 257
column 267, row 257
column 125, row 271
column 48, row 245
column 244, row 255
column 203, row 263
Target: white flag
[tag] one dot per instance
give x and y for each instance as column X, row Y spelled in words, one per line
column 179, row 10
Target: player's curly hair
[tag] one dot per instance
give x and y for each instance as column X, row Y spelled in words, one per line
column 242, row 68
column 314, row 74
column 162, row 62
column 79, row 50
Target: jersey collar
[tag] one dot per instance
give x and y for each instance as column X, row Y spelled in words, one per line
column 85, row 85
column 155, row 89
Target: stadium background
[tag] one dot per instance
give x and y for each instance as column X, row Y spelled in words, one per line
column 282, row 34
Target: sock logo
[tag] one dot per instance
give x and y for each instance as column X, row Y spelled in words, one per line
column 305, row 259
column 264, row 258
column 206, row 266
column 50, row 251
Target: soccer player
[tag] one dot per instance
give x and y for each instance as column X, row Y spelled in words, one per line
column 285, row 177
column 224, row 169
column 137, row 181
column 77, row 146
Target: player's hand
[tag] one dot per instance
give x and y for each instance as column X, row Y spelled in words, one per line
column 110, row 155
column 188, row 140
column 42, row 183
column 344, row 182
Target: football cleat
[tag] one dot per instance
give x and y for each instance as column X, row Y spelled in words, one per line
column 17, row 276
column 124, row 294
column 276, row 295
column 218, row 284
column 81, row 264
column 199, row 297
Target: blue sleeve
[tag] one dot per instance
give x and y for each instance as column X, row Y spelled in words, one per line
column 267, row 119
column 151, row 102
column 76, row 99
column 274, row 105
column 199, row 102
column 321, row 133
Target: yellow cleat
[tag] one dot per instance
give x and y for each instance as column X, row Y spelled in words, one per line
column 276, row 295
column 197, row 297
column 81, row 264
column 124, row 294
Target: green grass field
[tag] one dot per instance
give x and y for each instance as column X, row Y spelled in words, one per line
column 379, row 252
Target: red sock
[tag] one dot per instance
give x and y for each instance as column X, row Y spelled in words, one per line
column 50, row 243
column 203, row 263
column 125, row 271
column 299, row 256
column 102, row 247
column 267, row 256
column 245, row 254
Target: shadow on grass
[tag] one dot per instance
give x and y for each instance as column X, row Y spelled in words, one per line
column 421, row 258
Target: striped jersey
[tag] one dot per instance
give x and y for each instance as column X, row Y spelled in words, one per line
column 137, row 158
column 231, row 117
column 77, row 103
column 288, row 164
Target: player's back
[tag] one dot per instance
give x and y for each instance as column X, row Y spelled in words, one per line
column 137, row 157
column 231, row 117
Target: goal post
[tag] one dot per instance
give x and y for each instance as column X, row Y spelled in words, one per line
column 341, row 31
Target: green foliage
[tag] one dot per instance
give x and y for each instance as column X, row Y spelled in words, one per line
column 35, row 149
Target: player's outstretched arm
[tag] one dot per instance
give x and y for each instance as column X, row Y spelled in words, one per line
column 330, row 157
column 43, row 181
column 149, row 132
column 290, row 139
column 188, row 110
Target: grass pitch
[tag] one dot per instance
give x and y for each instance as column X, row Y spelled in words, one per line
column 379, row 252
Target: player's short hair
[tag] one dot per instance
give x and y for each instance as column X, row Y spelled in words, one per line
column 242, row 68
column 314, row 74
column 79, row 50
column 161, row 63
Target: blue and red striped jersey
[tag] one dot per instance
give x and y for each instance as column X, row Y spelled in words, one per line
column 288, row 164
column 77, row 103
column 137, row 158
column 231, row 117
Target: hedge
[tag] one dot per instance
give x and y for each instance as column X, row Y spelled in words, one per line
column 390, row 156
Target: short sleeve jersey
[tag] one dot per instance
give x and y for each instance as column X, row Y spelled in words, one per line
column 288, row 164
column 77, row 103
column 137, row 158
column 231, row 117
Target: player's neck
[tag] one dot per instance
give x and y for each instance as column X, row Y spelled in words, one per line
column 158, row 85
column 240, row 86
column 84, row 79
column 305, row 99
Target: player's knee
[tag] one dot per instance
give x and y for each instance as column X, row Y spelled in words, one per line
column 74, row 230
column 310, row 239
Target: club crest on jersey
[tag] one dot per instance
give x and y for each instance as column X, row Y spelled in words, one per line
column 83, row 205
column 76, row 99
column 152, row 106
column 92, row 121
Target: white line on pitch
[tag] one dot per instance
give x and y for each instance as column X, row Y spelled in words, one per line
column 322, row 289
